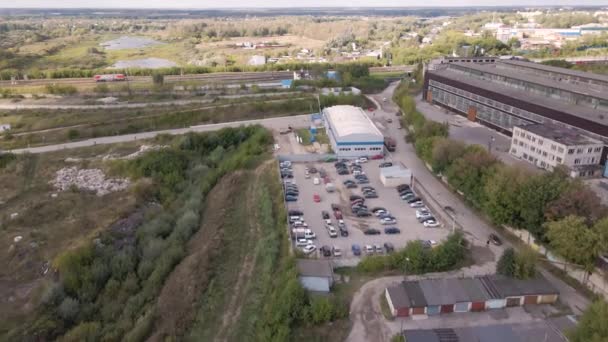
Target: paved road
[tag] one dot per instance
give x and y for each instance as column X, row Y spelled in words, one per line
column 277, row 123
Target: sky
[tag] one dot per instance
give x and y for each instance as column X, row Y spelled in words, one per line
column 283, row 3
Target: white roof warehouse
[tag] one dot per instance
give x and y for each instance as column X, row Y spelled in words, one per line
column 351, row 132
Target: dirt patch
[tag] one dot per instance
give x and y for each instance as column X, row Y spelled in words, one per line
column 176, row 305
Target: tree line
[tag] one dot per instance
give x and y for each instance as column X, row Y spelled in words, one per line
column 559, row 211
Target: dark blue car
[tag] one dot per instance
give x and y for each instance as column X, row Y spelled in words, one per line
column 356, row 249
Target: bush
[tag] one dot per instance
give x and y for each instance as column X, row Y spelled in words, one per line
column 68, row 309
column 73, row 134
column 506, row 263
column 57, row 89
column 6, row 158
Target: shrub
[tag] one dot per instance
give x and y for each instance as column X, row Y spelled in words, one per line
column 73, row 134
column 506, row 263
column 68, row 309
column 6, row 159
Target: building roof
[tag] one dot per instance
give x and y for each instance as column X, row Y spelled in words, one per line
column 314, row 268
column 513, row 73
column 351, row 120
column 583, row 112
column 508, row 287
column 564, row 71
column 562, row 135
column 517, row 332
column 415, row 294
column 474, row 290
column 443, row 291
column 398, row 296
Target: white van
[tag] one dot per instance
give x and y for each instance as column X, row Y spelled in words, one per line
column 316, row 181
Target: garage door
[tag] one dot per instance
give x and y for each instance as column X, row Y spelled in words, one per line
column 513, row 301
column 403, row 312
column 462, row 307
column 433, row 310
column 418, row 311
column 530, row 299
column 495, row 304
column 478, row 306
column 447, row 309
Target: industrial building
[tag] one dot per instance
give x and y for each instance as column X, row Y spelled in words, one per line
column 315, row 275
column 508, row 93
column 441, row 296
column 547, row 146
column 393, row 176
column 351, row 132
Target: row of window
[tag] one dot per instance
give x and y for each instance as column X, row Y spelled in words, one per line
column 346, row 149
column 492, row 114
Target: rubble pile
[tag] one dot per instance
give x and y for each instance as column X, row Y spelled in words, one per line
column 88, row 179
column 142, row 149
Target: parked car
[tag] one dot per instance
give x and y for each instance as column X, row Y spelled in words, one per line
column 343, row 231
column 316, row 198
column 372, row 231
column 401, row 187
column 356, row 249
column 389, row 247
column 426, row 218
column 370, row 194
column 387, row 221
column 312, row 170
column 369, row 249
column 303, row 242
column 378, row 249
column 428, row 243
column 392, row 230
column 412, row 200
column 363, row 213
column 417, row 204
column 309, row 249
column 424, row 211
column 332, row 232
column 336, row 251
column 291, row 198
column 377, row 156
column 354, row 197
column 362, row 160
column 495, row 239
column 316, row 181
column 380, row 212
column 385, row 164
column 325, row 214
column 325, row 251
column 295, row 212
column 431, row 223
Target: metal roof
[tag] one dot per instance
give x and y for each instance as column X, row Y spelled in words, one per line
column 351, row 120
column 415, row 294
column 398, row 296
column 564, row 71
column 443, row 291
column 508, row 287
column 314, row 268
column 518, row 332
column 395, row 172
column 515, row 74
column 474, row 290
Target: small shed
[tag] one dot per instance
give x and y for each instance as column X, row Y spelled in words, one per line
column 495, row 299
column 476, row 293
column 518, row 292
column 393, row 176
column 416, row 296
column 398, row 301
column 315, row 275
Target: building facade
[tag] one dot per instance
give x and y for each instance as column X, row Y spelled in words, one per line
column 547, row 146
column 352, row 133
column 315, row 275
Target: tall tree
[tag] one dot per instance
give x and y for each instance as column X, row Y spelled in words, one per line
column 592, row 326
column 577, row 200
column 501, row 195
column 601, row 229
column 536, row 193
column 469, row 173
column 573, row 240
column 445, row 152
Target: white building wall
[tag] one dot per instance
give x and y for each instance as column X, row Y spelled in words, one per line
column 547, row 154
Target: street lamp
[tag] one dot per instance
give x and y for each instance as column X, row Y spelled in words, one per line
column 407, row 260
column 492, row 139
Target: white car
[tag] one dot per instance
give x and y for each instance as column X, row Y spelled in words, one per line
column 332, row 232
column 309, row 249
column 337, row 252
column 369, row 249
column 362, row 160
column 341, row 223
column 387, row 220
column 309, row 234
column 316, row 181
column 423, row 212
column 381, row 212
column 431, row 224
column 418, row 204
column 328, row 222
column 303, row 242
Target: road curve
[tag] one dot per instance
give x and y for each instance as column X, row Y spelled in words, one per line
column 275, row 123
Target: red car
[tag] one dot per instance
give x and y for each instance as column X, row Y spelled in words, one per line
column 326, row 180
column 377, row 156
column 338, row 214
column 316, row 198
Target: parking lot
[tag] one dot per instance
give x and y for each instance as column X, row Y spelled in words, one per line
column 388, row 198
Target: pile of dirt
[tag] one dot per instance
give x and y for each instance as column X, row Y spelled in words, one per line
column 88, row 179
column 142, row 149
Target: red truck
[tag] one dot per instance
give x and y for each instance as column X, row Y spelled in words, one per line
column 390, row 144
